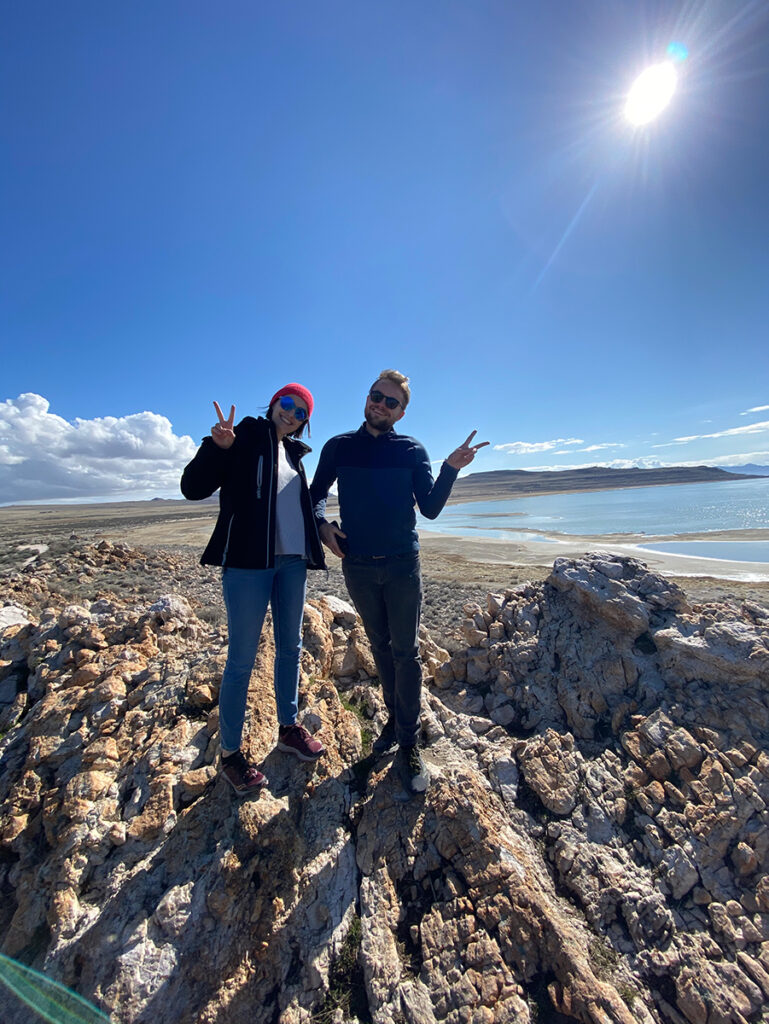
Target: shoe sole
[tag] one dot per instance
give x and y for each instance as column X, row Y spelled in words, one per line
column 302, row 757
column 415, row 787
column 403, row 796
column 257, row 788
column 384, row 749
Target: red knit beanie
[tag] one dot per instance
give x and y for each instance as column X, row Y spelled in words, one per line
column 299, row 392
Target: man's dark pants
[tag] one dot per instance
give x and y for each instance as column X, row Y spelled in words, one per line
column 387, row 593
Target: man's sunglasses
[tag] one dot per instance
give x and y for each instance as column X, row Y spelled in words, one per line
column 287, row 403
column 377, row 397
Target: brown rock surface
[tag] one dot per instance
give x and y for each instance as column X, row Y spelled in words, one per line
column 594, row 843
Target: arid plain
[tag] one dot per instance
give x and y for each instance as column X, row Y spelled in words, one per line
column 455, row 569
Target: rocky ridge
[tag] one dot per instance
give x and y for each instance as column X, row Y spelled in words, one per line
column 594, row 845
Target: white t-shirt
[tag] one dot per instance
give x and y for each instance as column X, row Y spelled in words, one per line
column 289, row 535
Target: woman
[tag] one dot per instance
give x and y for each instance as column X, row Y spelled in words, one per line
column 265, row 539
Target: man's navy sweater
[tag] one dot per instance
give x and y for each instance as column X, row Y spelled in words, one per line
column 379, row 479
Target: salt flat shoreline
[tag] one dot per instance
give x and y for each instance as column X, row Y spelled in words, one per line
column 189, row 523
column 542, row 553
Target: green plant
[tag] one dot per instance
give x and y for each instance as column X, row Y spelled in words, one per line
column 366, row 734
column 605, row 957
column 213, row 615
column 350, row 706
column 628, row 995
column 345, row 982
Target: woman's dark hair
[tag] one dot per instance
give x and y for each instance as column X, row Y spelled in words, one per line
column 299, row 430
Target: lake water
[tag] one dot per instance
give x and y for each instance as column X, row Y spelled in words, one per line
column 731, row 550
column 678, row 509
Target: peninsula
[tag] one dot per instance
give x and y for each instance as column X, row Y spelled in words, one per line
column 513, row 483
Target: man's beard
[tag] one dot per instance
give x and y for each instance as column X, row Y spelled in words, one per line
column 376, row 420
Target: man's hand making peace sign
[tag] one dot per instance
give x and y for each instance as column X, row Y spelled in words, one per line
column 222, row 432
column 465, row 454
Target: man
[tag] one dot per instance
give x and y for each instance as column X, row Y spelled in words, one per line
column 380, row 475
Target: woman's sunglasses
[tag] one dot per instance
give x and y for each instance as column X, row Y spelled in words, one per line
column 287, row 403
column 377, row 396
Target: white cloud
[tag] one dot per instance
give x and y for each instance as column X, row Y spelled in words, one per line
column 600, row 447
column 534, row 447
column 45, row 457
column 751, row 428
column 531, row 447
column 646, row 462
column 756, row 408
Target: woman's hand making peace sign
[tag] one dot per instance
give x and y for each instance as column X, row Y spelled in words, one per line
column 222, row 432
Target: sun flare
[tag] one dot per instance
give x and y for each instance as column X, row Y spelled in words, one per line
column 651, row 92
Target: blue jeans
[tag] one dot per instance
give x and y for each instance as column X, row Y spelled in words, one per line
column 247, row 593
column 387, row 593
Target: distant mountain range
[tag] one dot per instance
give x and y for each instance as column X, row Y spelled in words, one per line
column 751, row 469
column 511, row 482
column 502, row 483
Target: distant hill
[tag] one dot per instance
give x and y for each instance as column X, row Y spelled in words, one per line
column 751, row 469
column 503, row 483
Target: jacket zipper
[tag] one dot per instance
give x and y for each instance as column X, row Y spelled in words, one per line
column 259, row 468
column 227, row 542
column 269, row 492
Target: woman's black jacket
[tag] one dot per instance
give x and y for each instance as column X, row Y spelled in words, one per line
column 247, row 475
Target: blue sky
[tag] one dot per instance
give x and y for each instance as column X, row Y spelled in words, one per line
column 205, row 201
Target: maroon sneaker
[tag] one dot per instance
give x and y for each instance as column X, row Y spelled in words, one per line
column 243, row 778
column 295, row 739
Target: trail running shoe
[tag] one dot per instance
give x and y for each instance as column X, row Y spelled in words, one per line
column 386, row 739
column 294, row 739
column 242, row 776
column 411, row 771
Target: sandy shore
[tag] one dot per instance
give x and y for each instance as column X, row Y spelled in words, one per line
column 543, row 553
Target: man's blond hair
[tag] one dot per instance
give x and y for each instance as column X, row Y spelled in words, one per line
column 401, row 380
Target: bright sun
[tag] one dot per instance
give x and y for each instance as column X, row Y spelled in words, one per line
column 650, row 93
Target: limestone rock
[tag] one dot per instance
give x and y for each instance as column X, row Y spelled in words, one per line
column 171, row 606
column 12, row 615
column 551, row 767
column 594, row 841
column 343, row 612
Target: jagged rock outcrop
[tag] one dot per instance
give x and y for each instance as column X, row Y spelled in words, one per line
column 595, row 841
